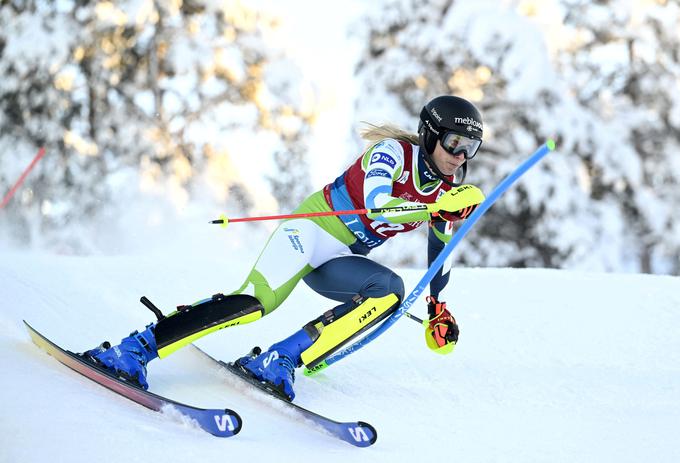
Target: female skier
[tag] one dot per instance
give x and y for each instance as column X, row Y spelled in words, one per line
column 328, row 253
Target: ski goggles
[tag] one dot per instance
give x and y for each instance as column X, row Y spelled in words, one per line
column 455, row 144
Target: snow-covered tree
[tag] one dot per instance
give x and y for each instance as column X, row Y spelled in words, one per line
column 621, row 62
column 144, row 92
column 583, row 206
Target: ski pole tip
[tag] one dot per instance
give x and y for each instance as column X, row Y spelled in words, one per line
column 550, row 144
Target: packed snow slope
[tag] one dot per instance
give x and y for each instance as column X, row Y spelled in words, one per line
column 551, row 366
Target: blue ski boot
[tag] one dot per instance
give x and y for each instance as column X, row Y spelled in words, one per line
column 277, row 365
column 128, row 359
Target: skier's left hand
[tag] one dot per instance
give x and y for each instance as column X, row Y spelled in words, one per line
column 458, row 215
column 458, row 201
column 441, row 332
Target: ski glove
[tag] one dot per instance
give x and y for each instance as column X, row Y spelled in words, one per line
column 457, row 203
column 458, row 215
column 441, row 330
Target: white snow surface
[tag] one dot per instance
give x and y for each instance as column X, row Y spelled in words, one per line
column 551, row 366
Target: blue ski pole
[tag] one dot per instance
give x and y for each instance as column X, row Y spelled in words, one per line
column 539, row 154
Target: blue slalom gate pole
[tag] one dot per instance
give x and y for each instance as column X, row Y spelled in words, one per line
column 539, row 154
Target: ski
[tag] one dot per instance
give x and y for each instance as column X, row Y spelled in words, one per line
column 218, row 422
column 357, row 433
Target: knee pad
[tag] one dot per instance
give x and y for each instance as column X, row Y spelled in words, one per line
column 338, row 326
column 191, row 322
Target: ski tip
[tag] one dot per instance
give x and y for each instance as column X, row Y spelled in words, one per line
column 372, row 430
column 218, row 422
column 551, row 144
column 361, row 434
column 237, row 418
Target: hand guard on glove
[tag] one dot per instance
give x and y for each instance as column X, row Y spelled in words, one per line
column 441, row 331
column 458, row 215
column 457, row 203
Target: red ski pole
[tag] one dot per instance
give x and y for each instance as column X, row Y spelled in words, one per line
column 10, row 193
column 224, row 221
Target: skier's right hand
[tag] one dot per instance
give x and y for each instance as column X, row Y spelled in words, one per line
column 459, row 202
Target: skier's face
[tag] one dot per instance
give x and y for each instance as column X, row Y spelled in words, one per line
column 447, row 163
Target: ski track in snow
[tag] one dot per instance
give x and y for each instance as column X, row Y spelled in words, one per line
column 551, row 366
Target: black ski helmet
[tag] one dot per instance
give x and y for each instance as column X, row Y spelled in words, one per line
column 441, row 116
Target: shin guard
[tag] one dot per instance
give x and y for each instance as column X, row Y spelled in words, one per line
column 338, row 326
column 191, row 322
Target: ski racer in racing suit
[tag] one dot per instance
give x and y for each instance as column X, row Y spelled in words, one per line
column 329, row 253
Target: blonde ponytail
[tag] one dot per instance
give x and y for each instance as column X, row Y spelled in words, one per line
column 374, row 133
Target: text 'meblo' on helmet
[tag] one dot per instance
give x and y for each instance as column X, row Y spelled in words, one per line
column 456, row 124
